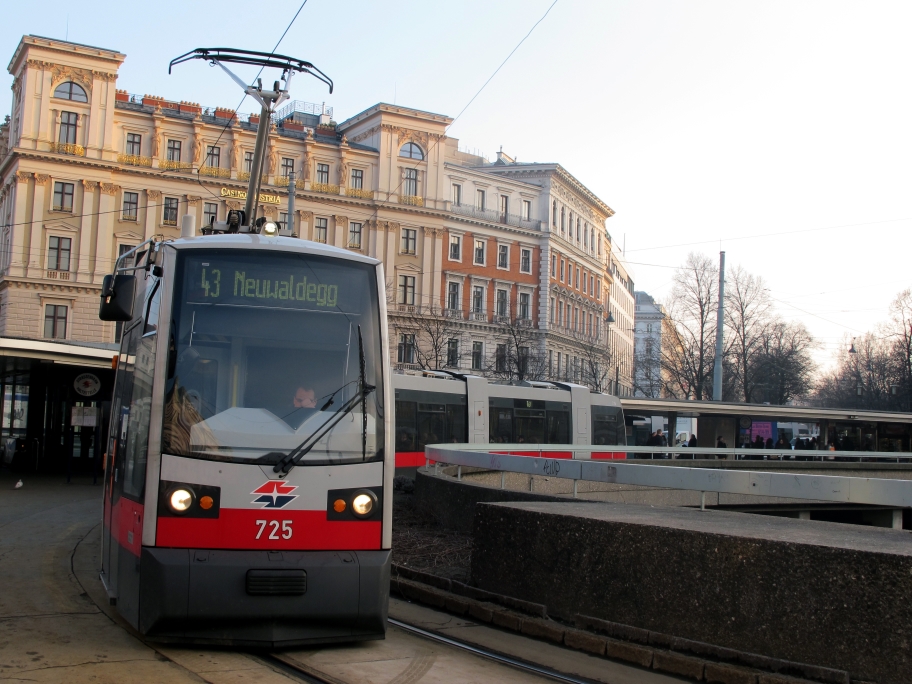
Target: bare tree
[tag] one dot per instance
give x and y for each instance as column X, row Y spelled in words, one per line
column 598, row 366
column 748, row 318
column 783, row 368
column 688, row 352
column 517, row 353
column 647, row 378
column 432, row 330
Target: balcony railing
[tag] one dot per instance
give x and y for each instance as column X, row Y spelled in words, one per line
column 245, row 176
column 408, row 308
column 58, row 275
column 407, row 252
column 354, row 244
column 168, row 165
column 326, row 188
column 282, row 181
column 169, row 222
column 524, row 322
column 128, row 217
column 215, row 172
column 495, row 216
column 68, row 148
column 413, row 200
column 453, row 313
column 134, row 160
column 502, row 319
column 478, row 316
column 64, row 207
column 361, row 194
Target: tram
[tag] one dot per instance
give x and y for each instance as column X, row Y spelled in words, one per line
column 448, row 407
column 250, row 458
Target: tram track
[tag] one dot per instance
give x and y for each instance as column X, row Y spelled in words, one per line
column 305, row 673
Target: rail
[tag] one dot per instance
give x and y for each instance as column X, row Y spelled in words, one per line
column 858, row 490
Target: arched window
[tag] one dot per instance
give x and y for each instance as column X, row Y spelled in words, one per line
column 411, row 151
column 71, row 91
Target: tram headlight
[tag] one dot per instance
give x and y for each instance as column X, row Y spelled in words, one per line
column 270, row 228
column 180, row 500
column 363, row 504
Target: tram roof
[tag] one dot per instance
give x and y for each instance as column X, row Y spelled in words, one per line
column 693, row 409
column 254, row 241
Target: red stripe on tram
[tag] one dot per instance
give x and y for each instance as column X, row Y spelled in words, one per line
column 239, row 528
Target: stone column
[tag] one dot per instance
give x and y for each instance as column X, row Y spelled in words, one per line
column 389, row 262
column 341, row 234
column 153, row 211
column 104, row 240
column 83, row 269
column 306, row 222
column 20, row 236
column 428, row 298
column 194, row 207
column 43, row 81
column 36, row 247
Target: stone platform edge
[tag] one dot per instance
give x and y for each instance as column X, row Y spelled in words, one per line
column 652, row 650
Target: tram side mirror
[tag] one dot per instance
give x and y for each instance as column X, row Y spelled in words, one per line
column 117, row 292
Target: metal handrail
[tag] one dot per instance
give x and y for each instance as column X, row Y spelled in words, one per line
column 861, row 490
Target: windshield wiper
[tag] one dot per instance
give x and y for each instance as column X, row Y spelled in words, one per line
column 293, row 457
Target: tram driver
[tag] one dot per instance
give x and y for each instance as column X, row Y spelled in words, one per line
column 304, row 398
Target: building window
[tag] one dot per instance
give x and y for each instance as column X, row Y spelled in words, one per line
column 562, row 271
column 63, row 196
column 562, row 221
column 500, row 358
column 598, row 288
column 406, row 348
column 55, row 320
column 287, row 167
column 169, row 216
column 453, row 353
column 550, row 362
column 501, row 302
column 357, row 179
column 577, row 229
column 71, row 91
column 477, row 355
column 68, row 128
column 560, row 313
column 320, row 226
column 576, row 281
column 525, row 261
column 585, row 281
column 554, row 266
column 213, row 156
column 480, row 199
column 59, row 253
column 283, row 219
column 455, row 247
column 410, row 185
column 354, row 235
column 453, row 296
column 575, row 318
column 411, row 151
column 248, row 162
column 524, row 309
column 210, row 213
column 323, row 173
column 457, row 194
column 554, row 213
column 526, row 210
column 407, row 290
column 553, row 320
column 174, row 150
column 134, row 144
column 479, row 252
column 409, row 240
column 586, row 237
column 478, row 299
column 503, row 254
column 504, row 207
column 130, row 206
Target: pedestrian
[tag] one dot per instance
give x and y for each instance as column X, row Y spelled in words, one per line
column 692, row 442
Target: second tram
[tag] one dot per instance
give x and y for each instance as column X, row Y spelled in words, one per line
column 250, row 462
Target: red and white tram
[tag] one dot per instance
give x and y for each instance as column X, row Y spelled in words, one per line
column 250, row 459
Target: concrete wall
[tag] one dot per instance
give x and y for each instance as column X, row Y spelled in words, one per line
column 831, row 595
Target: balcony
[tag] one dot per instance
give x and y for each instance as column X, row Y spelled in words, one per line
column 68, row 208
column 453, row 313
column 245, row 176
column 413, row 200
column 58, row 275
column 495, row 216
column 325, row 188
column 479, row 316
column 407, row 252
column 169, row 222
column 360, row 194
column 215, row 172
column 501, row 319
column 282, row 181
column 134, row 160
column 68, row 148
column 524, row 322
column 168, row 165
column 354, row 244
column 128, row 217
column 408, row 308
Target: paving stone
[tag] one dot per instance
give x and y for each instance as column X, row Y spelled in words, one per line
column 543, row 629
column 676, row 663
column 631, row 653
column 718, row 673
column 584, row 641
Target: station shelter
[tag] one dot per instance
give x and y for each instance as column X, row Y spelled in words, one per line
column 54, row 405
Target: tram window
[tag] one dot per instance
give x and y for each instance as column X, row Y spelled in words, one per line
column 142, row 351
column 606, row 425
column 558, row 430
column 154, row 302
column 264, row 352
column 501, row 425
column 530, row 426
column 424, row 418
column 406, row 426
column 456, row 421
column 431, row 424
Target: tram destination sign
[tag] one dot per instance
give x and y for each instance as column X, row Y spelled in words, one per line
column 230, row 193
column 291, row 283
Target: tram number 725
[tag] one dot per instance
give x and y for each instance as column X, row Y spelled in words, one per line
column 274, row 531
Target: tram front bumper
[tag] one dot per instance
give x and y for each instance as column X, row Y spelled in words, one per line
column 205, row 596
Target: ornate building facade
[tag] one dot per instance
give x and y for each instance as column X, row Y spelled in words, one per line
column 88, row 170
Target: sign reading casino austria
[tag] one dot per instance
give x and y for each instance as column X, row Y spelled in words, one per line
column 242, row 195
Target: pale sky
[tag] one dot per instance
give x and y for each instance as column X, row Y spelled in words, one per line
column 697, row 122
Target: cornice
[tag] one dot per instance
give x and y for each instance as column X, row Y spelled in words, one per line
column 30, row 284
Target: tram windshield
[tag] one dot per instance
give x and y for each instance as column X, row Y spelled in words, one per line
column 264, row 351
